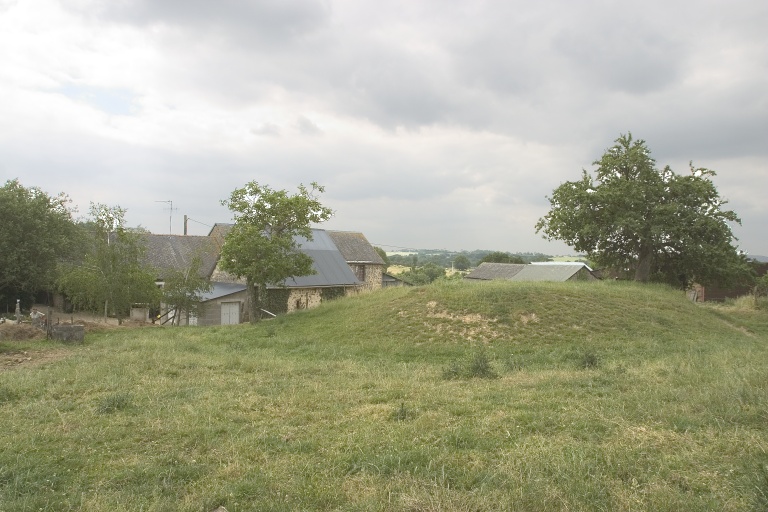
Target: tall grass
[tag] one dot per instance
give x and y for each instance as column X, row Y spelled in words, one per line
column 603, row 397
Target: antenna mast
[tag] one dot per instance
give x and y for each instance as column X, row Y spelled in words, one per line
column 170, row 216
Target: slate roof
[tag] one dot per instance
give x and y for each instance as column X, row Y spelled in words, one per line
column 532, row 272
column 167, row 253
column 330, row 266
column 219, row 290
column 549, row 272
column 355, row 248
column 495, row 271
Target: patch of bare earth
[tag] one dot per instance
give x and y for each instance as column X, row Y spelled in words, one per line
column 28, row 356
column 21, row 348
column 20, row 340
column 471, row 326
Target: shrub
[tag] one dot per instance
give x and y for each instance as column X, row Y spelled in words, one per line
column 589, row 360
column 114, row 403
column 478, row 367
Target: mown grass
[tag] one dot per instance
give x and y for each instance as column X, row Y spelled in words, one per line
column 575, row 396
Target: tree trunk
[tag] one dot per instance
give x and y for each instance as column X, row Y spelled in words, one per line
column 643, row 270
column 256, row 294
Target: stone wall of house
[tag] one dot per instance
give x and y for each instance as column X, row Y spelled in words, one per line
column 369, row 275
column 304, row 298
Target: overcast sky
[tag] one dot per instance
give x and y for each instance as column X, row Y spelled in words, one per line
column 432, row 124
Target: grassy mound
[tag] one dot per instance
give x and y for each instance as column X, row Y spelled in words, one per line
column 458, row 396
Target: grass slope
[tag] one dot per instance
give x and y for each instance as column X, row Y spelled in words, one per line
column 456, row 396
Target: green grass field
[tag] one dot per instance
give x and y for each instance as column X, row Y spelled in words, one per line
column 453, row 397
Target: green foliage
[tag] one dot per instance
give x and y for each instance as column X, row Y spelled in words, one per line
column 651, row 223
column 461, row 262
column 761, row 286
column 183, row 289
column 381, row 252
column 262, row 246
column 423, row 275
column 479, row 366
column 114, row 403
column 36, row 232
column 501, row 257
column 109, row 273
column 277, row 300
column 332, row 293
column 445, row 258
column 589, row 360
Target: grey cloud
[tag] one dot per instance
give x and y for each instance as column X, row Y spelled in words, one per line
column 267, row 129
column 274, row 21
column 621, row 57
column 565, row 77
column 307, row 127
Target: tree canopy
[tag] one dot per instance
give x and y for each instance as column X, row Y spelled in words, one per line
column 381, row 252
column 501, row 257
column 649, row 223
column 109, row 274
column 35, row 233
column 425, row 274
column 461, row 262
column 262, row 245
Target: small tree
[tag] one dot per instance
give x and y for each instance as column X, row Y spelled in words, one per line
column 381, row 252
column 262, row 245
column 425, row 274
column 461, row 262
column 183, row 290
column 109, row 273
column 760, row 288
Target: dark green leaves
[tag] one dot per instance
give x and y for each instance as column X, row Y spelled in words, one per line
column 647, row 222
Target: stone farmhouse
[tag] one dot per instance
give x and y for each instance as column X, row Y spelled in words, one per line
column 345, row 263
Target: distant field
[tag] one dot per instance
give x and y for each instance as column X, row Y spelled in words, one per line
column 397, row 269
column 453, row 397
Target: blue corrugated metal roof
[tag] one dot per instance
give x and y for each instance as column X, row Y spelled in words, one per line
column 547, row 272
column 330, row 266
column 222, row 290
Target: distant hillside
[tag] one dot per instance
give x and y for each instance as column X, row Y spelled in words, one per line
column 761, row 259
column 444, row 258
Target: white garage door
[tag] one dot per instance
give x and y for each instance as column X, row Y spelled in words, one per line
column 230, row 313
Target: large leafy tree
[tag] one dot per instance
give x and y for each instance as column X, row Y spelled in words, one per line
column 109, row 275
column 262, row 245
column 651, row 223
column 36, row 231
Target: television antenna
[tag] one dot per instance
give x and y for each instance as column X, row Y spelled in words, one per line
column 170, row 215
